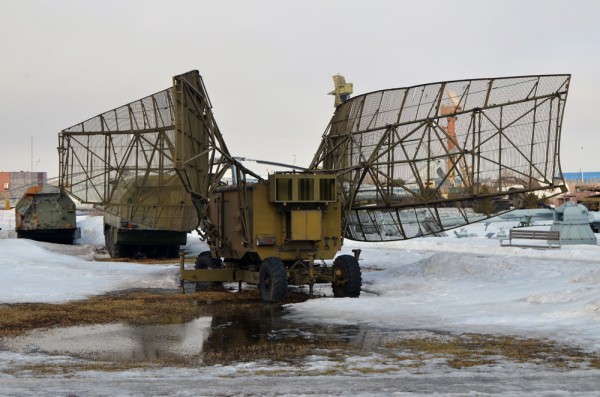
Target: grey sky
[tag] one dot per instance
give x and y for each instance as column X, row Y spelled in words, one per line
column 267, row 65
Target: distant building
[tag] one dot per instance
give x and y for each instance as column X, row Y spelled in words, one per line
column 14, row 184
column 586, row 194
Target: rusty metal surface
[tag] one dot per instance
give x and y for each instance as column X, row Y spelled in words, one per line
column 420, row 160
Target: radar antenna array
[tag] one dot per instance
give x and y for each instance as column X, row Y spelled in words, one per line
column 423, row 159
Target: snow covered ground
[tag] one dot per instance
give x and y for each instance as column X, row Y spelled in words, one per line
column 43, row 272
column 474, row 285
column 447, row 284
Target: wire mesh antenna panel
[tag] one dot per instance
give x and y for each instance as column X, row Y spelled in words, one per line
column 420, row 160
column 153, row 161
column 123, row 161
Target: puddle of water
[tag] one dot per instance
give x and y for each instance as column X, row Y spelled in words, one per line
column 117, row 341
column 228, row 327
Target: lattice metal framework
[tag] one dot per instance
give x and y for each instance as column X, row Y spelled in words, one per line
column 419, row 160
column 202, row 158
column 122, row 161
column 150, row 161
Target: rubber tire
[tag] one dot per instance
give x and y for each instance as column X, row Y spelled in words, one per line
column 205, row 261
column 350, row 282
column 272, row 280
column 173, row 252
column 115, row 250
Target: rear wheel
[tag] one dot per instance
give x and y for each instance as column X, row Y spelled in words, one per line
column 347, row 278
column 203, row 260
column 206, row 261
column 272, row 280
column 115, row 250
column 173, row 251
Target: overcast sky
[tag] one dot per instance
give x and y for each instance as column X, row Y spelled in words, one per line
column 267, row 65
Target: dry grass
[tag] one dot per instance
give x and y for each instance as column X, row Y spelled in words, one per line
column 131, row 307
column 279, row 351
column 145, row 261
column 478, row 349
column 62, row 369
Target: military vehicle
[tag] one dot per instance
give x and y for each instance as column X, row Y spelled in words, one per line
column 155, row 226
column 46, row 213
column 392, row 165
column 121, row 163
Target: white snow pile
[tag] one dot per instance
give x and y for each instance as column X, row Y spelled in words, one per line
column 31, row 273
column 43, row 272
column 468, row 284
column 91, row 228
column 440, row 284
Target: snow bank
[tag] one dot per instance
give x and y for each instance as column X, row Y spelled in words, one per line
column 472, row 285
column 31, row 273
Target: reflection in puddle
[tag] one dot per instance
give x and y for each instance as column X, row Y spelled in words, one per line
column 117, row 341
column 227, row 328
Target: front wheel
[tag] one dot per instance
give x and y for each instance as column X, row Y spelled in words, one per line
column 347, row 278
column 272, row 280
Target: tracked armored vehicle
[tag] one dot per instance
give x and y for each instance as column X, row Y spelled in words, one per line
column 121, row 162
column 46, row 213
